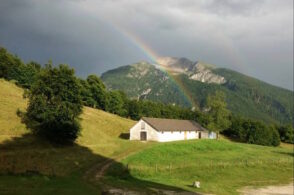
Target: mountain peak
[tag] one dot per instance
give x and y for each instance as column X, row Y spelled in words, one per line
column 182, row 64
column 203, row 65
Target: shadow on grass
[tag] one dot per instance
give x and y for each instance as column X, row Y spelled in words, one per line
column 285, row 153
column 124, row 136
column 70, row 169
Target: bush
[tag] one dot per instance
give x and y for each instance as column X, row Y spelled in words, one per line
column 54, row 105
column 286, row 133
column 97, row 91
column 276, row 137
column 253, row 132
column 12, row 68
column 116, row 103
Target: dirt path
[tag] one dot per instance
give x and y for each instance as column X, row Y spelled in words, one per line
column 97, row 171
column 270, row 190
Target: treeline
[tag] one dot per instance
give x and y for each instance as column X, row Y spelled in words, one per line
column 56, row 97
column 13, row 68
column 93, row 92
column 254, row 132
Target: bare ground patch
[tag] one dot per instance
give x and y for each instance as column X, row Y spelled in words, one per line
column 270, row 190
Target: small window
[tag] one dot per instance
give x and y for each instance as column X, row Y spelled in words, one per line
column 142, row 125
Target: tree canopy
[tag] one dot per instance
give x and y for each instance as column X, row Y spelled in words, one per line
column 55, row 104
column 218, row 112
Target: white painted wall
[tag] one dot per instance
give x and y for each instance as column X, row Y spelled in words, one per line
column 152, row 134
column 165, row 136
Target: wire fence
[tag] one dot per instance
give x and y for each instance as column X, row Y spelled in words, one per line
column 286, row 163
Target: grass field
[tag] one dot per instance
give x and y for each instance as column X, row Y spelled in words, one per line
column 37, row 167
column 220, row 165
column 23, row 154
column 99, row 137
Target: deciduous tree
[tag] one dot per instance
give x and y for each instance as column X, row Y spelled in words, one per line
column 55, row 104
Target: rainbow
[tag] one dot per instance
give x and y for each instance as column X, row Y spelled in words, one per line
column 152, row 56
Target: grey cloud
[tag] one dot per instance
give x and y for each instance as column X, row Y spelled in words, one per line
column 235, row 7
column 254, row 37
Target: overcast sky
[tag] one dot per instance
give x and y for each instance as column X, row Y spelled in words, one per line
column 254, row 37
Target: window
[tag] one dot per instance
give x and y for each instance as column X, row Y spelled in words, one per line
column 142, row 125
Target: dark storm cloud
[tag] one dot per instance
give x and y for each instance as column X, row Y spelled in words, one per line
column 254, row 37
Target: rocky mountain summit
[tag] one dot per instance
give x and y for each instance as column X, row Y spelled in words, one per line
column 205, row 75
column 181, row 65
column 198, row 71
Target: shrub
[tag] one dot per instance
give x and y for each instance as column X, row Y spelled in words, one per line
column 55, row 104
column 253, row 132
column 286, row 133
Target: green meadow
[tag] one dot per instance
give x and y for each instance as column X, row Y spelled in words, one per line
column 221, row 166
column 29, row 165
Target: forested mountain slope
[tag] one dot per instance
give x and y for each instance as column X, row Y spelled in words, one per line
column 188, row 84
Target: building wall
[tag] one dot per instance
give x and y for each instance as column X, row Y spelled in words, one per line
column 165, row 136
column 152, row 134
column 204, row 135
column 212, row 135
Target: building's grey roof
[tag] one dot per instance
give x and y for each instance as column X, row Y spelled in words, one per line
column 173, row 124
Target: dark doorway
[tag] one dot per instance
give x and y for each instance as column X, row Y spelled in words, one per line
column 143, row 136
column 199, row 135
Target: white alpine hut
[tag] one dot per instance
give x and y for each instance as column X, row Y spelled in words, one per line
column 164, row 130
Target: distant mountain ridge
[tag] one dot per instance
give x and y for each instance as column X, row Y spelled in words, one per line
column 246, row 96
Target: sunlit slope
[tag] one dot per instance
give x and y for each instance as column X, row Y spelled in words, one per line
column 20, row 151
column 96, row 124
column 11, row 98
column 101, row 131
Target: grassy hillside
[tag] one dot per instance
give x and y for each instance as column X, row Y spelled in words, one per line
column 11, row 98
column 37, row 167
column 246, row 96
column 64, row 167
column 100, row 135
column 221, row 166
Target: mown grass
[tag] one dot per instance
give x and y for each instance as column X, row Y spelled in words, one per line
column 221, row 166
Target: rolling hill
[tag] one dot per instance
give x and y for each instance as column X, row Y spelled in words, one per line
column 221, row 166
column 186, row 83
column 43, row 167
column 38, row 167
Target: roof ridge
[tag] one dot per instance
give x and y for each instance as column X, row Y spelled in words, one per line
column 168, row 119
column 164, row 124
